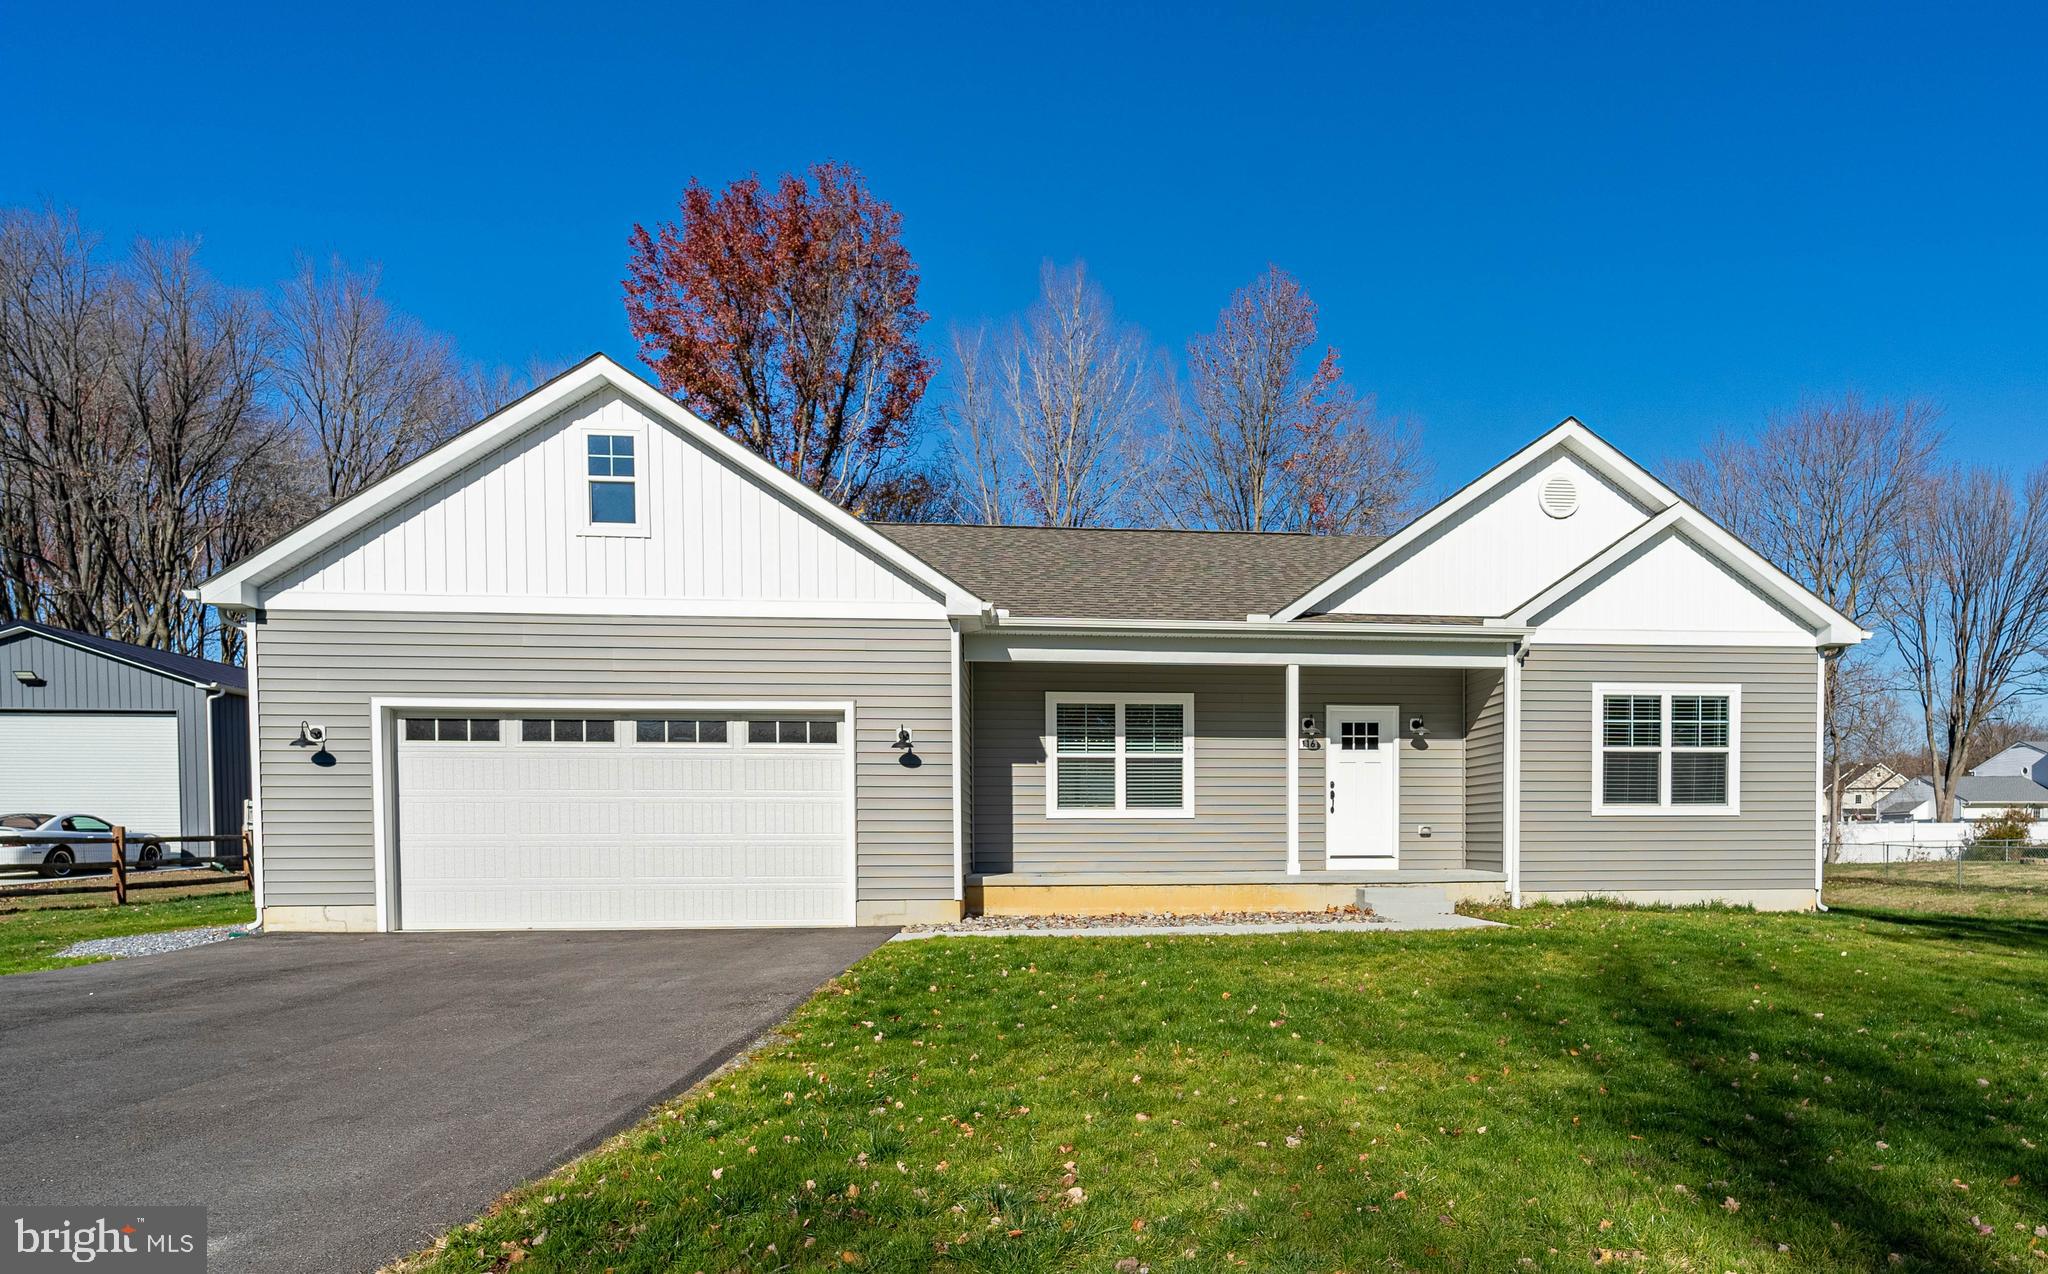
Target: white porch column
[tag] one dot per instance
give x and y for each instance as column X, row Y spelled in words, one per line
column 1287, row 740
column 1511, row 777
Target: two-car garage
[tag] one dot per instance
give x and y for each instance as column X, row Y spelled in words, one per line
column 667, row 816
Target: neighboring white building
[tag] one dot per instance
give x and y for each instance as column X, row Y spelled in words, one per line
column 1978, row 797
column 2027, row 760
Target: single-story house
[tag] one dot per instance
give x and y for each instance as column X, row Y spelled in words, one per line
column 591, row 663
column 148, row 739
column 1978, row 797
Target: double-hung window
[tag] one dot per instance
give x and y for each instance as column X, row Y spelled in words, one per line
column 1119, row 756
column 614, row 480
column 609, row 471
column 1667, row 749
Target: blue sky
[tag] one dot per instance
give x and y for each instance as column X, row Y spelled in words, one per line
column 1665, row 223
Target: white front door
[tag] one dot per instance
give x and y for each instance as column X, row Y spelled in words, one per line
column 1361, row 759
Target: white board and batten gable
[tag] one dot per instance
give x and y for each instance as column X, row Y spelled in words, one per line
column 1502, row 546
column 499, row 520
column 1574, row 543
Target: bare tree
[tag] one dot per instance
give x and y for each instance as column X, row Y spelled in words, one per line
column 1072, row 390
column 1823, row 491
column 983, row 458
column 1968, row 608
column 369, row 387
column 129, row 409
column 1269, row 440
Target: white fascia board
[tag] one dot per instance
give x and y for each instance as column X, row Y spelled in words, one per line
column 1012, row 645
column 584, row 604
column 1597, row 452
column 1260, row 629
column 1830, row 626
column 241, row 584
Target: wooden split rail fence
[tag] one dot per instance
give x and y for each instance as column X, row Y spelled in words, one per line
column 238, row 867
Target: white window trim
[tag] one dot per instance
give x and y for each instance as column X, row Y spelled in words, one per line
column 1665, row 690
column 1050, row 739
column 579, row 466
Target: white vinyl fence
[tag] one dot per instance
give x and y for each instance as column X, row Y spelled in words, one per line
column 1909, row 842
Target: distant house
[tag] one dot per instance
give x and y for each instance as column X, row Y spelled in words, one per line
column 1864, row 785
column 151, row 740
column 2027, row 760
column 1978, row 797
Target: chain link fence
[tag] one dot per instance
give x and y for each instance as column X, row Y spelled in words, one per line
column 1977, row 864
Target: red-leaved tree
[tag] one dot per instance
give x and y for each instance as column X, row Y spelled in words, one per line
column 788, row 318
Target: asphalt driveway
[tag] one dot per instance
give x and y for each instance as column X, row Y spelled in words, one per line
column 337, row 1101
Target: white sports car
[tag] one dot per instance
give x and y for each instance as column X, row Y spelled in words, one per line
column 85, row 840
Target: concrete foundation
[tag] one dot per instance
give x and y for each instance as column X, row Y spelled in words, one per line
column 907, row 911
column 320, row 919
column 1761, row 899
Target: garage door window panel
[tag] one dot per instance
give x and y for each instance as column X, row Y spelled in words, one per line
column 568, row 730
column 786, row 731
column 692, row 731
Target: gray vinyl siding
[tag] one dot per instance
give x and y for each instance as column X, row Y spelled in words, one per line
column 1240, row 819
column 325, row 667
column 1769, row 845
column 85, row 681
column 1485, row 768
column 1240, row 740
column 1432, row 769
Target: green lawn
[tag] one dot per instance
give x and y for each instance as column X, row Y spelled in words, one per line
column 32, row 928
column 1689, row 1090
column 2006, row 890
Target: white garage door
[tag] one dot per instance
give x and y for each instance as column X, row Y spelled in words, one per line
column 579, row 822
column 123, row 768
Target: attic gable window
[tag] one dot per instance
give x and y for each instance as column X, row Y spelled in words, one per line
column 614, row 480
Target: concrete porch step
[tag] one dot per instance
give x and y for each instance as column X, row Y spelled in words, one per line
column 1407, row 903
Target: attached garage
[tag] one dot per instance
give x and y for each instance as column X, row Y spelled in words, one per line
column 661, row 817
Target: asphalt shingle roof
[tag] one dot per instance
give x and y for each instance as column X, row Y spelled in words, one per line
column 184, row 667
column 1090, row 573
column 2001, row 789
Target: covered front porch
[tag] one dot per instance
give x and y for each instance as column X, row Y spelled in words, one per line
column 1113, row 772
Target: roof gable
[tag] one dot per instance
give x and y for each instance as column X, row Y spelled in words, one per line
column 464, row 484
column 1569, row 441
column 1511, row 529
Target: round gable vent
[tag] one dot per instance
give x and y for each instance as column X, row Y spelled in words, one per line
column 1560, row 496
